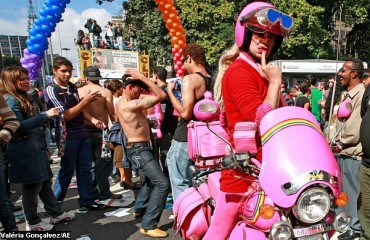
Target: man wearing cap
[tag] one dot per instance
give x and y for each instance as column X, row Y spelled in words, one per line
column 100, row 109
column 152, row 196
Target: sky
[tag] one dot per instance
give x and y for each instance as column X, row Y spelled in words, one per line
column 14, row 19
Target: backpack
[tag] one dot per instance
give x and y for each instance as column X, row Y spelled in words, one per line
column 79, row 40
column 98, row 29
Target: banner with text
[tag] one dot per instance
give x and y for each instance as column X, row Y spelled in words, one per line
column 113, row 63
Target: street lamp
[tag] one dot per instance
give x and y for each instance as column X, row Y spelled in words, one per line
column 60, row 41
column 66, row 49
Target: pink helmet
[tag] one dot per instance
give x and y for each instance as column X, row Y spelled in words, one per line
column 252, row 15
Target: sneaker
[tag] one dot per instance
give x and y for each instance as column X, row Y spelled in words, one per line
column 92, row 207
column 64, row 217
column 154, row 233
column 112, row 196
column 41, row 226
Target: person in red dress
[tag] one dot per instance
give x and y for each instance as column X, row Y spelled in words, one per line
column 247, row 88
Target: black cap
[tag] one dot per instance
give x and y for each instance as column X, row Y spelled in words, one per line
column 92, row 73
column 136, row 82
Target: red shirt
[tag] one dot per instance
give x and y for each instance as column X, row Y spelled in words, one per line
column 243, row 91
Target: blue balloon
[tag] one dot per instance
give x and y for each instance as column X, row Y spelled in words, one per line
column 47, row 10
column 38, row 22
column 45, row 28
column 63, row 5
column 47, row 34
column 54, row 9
column 33, row 31
column 29, row 42
column 37, row 29
column 51, row 18
column 43, row 12
column 48, row 3
column 58, row 16
column 31, row 49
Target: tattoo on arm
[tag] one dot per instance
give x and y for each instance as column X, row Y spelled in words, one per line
column 147, row 102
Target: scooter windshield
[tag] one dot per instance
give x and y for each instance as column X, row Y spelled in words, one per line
column 295, row 155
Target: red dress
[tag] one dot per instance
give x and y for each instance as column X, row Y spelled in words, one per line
column 243, row 91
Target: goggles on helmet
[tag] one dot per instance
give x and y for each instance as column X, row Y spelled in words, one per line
column 270, row 20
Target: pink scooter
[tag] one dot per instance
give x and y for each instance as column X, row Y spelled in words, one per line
column 297, row 184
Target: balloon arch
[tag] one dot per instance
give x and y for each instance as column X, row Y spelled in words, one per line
column 51, row 14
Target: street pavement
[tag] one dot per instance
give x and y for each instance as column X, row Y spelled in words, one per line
column 95, row 224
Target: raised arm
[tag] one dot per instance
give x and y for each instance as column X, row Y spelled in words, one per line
column 149, row 101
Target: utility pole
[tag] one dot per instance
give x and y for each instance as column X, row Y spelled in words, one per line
column 31, row 14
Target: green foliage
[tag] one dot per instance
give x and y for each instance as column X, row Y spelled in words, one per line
column 10, row 61
column 210, row 23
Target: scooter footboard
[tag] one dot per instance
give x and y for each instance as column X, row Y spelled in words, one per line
column 242, row 231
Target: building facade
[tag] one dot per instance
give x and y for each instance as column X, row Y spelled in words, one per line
column 12, row 46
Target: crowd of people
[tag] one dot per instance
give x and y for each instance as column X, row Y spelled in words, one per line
column 113, row 36
column 91, row 118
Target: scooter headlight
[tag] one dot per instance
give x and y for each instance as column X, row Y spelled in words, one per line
column 281, row 230
column 342, row 222
column 312, row 205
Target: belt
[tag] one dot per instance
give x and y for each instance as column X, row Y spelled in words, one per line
column 137, row 144
column 348, row 157
column 94, row 129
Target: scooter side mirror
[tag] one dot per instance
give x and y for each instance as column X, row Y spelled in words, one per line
column 344, row 110
column 207, row 110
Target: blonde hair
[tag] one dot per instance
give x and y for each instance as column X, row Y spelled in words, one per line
column 9, row 77
column 227, row 58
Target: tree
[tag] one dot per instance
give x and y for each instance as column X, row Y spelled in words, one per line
column 211, row 24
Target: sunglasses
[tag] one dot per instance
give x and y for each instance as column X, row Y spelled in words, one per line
column 183, row 60
column 267, row 19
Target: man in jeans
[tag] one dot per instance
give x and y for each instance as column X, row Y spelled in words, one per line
column 194, row 86
column 100, row 109
column 77, row 145
column 152, row 196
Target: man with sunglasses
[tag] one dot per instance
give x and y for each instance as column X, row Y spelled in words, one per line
column 350, row 154
column 194, row 86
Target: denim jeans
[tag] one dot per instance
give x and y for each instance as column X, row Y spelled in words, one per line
column 350, row 171
column 77, row 156
column 364, row 202
column 6, row 209
column 30, row 196
column 101, row 168
column 178, row 164
column 153, row 193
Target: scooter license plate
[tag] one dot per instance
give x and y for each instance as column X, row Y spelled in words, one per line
column 311, row 230
column 313, row 237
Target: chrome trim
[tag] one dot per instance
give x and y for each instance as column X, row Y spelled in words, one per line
column 294, row 186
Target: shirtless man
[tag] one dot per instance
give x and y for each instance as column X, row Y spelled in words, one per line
column 152, row 196
column 100, row 109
